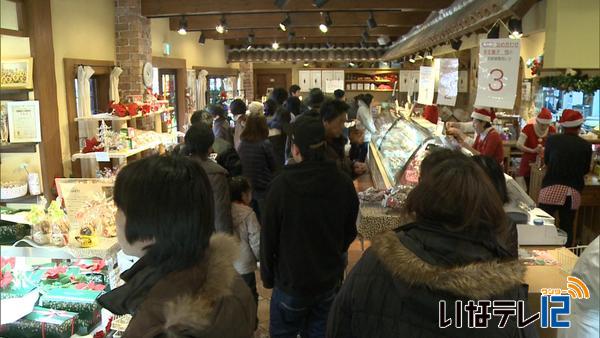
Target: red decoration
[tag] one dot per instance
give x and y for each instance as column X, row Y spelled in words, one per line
column 90, row 286
column 92, row 145
column 146, row 109
column 5, row 279
column 96, row 266
column 55, row 272
column 10, row 261
column 132, row 108
column 119, row 109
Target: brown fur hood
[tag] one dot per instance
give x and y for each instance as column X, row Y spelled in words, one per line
column 205, row 310
column 479, row 280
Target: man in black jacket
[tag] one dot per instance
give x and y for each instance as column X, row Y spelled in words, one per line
column 567, row 157
column 309, row 225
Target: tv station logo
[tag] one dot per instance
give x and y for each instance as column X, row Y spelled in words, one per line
column 555, row 304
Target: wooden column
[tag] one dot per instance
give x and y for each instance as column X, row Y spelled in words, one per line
column 39, row 27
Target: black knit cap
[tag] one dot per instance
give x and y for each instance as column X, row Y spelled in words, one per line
column 308, row 132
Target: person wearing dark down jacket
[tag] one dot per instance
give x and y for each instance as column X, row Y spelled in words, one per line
column 198, row 141
column 306, row 230
column 450, row 253
column 184, row 284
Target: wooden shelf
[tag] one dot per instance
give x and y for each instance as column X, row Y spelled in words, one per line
column 118, row 154
column 368, row 81
column 29, row 147
column 110, row 117
column 370, row 90
column 27, row 199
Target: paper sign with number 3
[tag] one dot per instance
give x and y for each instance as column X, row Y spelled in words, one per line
column 498, row 73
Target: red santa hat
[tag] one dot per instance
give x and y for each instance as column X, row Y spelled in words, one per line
column 544, row 117
column 571, row 118
column 430, row 112
column 483, row 115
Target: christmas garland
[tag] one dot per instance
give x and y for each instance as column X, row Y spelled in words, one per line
column 580, row 83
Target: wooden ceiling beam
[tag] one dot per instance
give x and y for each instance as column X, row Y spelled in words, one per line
column 305, row 32
column 300, row 41
column 163, row 8
column 247, row 21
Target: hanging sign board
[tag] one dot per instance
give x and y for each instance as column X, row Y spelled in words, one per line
column 75, row 192
column 333, row 85
column 426, row 85
column 498, row 73
column 448, row 83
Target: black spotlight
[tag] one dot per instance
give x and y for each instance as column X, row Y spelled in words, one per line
column 516, row 28
column 202, row 38
column 285, row 23
column 291, row 36
column 319, row 3
column 371, row 23
column 456, row 43
column 494, row 32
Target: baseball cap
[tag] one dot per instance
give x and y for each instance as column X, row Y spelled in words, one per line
column 308, row 132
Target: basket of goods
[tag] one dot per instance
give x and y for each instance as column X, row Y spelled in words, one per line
column 59, row 225
column 371, row 195
column 40, row 225
column 395, row 198
column 11, row 190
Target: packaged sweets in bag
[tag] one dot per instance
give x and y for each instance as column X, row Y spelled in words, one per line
column 59, row 224
column 40, row 225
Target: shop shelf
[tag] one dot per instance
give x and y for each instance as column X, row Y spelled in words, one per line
column 376, row 90
column 119, row 154
column 106, row 248
column 368, row 81
column 27, row 199
column 29, row 147
column 109, row 117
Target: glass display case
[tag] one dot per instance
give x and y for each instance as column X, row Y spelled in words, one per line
column 399, row 150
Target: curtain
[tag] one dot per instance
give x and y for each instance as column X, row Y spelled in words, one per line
column 113, row 94
column 202, row 89
column 84, row 73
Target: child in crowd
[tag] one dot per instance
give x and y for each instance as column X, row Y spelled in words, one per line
column 247, row 229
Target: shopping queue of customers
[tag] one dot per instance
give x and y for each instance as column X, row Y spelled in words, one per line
column 195, row 283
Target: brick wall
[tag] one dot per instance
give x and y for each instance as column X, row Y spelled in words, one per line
column 133, row 45
column 247, row 75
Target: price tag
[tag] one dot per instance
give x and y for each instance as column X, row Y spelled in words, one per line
column 498, row 73
column 102, row 156
column 448, row 84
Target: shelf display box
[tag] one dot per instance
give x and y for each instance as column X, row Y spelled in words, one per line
column 42, row 322
column 82, row 302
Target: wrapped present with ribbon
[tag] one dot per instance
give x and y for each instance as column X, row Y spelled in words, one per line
column 81, row 301
column 44, row 323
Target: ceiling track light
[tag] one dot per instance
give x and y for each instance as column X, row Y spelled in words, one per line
column 222, row 26
column 251, row 38
column 371, row 23
column 291, row 36
column 285, row 23
column 249, row 47
column 456, row 43
column 515, row 26
column 412, row 59
column 428, row 55
column 319, row 3
column 418, row 57
column 202, row 38
column 363, row 44
column 182, row 26
column 324, row 26
column 280, row 3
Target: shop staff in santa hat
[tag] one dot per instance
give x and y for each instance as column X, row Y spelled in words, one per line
column 567, row 158
column 487, row 142
column 532, row 141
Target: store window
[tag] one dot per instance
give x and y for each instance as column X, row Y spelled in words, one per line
column 557, row 100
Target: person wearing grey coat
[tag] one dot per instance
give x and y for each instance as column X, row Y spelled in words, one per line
column 198, row 142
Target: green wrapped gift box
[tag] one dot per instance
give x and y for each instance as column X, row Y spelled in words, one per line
column 81, row 301
column 16, row 292
column 42, row 322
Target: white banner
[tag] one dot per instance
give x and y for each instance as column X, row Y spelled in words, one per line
column 498, row 73
column 426, row 85
column 448, row 83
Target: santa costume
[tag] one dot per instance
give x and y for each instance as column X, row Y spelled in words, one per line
column 489, row 142
column 533, row 136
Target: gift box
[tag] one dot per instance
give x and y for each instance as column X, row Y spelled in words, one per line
column 82, row 302
column 42, row 322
